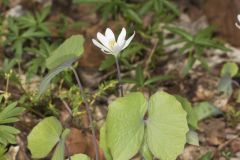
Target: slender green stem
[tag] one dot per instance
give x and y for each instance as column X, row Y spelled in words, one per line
column 120, row 88
column 89, row 112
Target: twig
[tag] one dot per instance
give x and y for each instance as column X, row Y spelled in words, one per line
column 120, row 88
column 66, row 106
column 88, row 112
column 149, row 60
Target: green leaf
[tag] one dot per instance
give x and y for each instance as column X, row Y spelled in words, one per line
column 107, row 63
column 166, row 126
column 47, row 79
column 59, row 151
column 80, row 157
column 44, row 137
column 181, row 32
column 2, row 153
column 188, row 66
column 125, row 125
column 171, row 6
column 8, row 135
column 225, row 85
column 205, row 109
column 157, row 78
column 191, row 115
column 229, row 69
column 69, row 49
column 10, row 113
column 103, row 143
column 131, row 14
column 139, row 76
column 207, row 156
column 145, row 152
column 192, row 138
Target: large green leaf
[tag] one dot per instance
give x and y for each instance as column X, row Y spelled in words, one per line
column 44, row 137
column 103, row 143
column 59, row 151
column 191, row 115
column 80, row 157
column 71, row 48
column 166, row 126
column 125, row 125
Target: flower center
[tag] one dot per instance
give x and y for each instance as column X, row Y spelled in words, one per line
column 111, row 43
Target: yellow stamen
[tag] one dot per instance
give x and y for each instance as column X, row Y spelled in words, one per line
column 111, row 43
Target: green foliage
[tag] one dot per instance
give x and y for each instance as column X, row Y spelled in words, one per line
column 45, row 82
column 192, row 138
column 112, row 8
column 205, row 109
column 8, row 115
column 159, row 6
column 145, row 152
column 2, row 153
column 103, row 143
column 191, row 115
column 228, row 71
column 125, row 57
column 233, row 117
column 24, row 29
column 140, row 81
column 69, row 49
column 37, row 65
column 195, row 45
column 80, row 157
column 44, row 136
column 207, row 156
column 164, row 123
column 225, row 85
column 125, row 139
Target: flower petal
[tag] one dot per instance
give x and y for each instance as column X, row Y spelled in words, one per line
column 99, row 45
column 237, row 25
column 121, row 37
column 106, row 51
column 103, row 40
column 238, row 17
column 116, row 49
column 109, row 35
column 129, row 40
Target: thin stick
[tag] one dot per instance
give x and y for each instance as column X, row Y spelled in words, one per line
column 120, row 88
column 149, row 60
column 88, row 112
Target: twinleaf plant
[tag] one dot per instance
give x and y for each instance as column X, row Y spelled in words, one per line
column 161, row 119
column 158, row 127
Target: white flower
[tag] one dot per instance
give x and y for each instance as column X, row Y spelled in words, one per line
column 238, row 23
column 108, row 44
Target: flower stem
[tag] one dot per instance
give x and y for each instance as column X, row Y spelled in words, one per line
column 89, row 112
column 120, row 88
